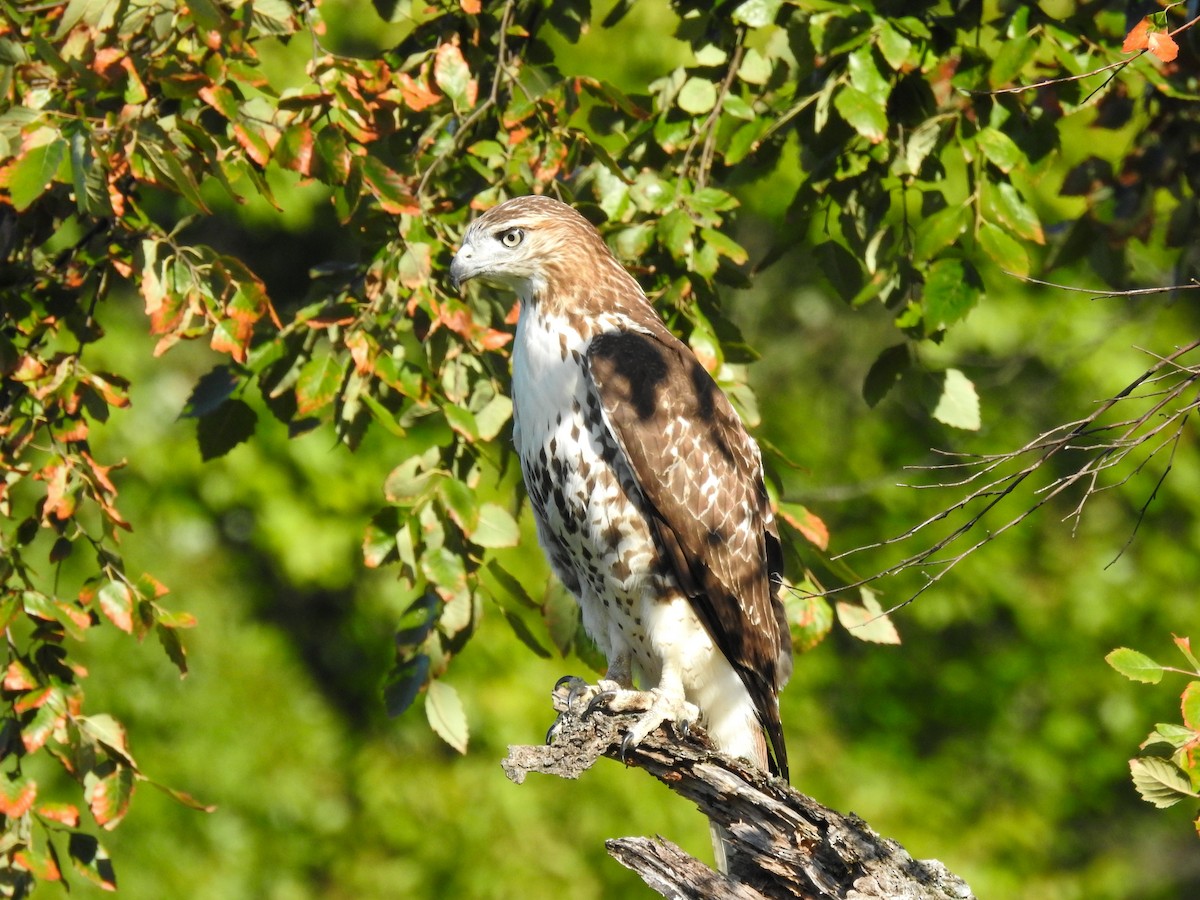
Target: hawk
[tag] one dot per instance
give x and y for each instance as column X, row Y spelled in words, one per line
column 647, row 491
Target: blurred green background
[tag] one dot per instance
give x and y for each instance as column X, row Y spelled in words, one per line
column 994, row 738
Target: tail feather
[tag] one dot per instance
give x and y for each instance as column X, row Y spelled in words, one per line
column 724, row 851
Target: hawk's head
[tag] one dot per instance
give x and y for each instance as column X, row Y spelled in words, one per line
column 530, row 245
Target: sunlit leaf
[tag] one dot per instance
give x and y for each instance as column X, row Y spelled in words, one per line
column 1159, row 781
column 697, row 96
column 446, row 716
column 495, row 528
column 863, row 113
column 31, row 175
column 867, row 621
column 958, row 405
column 1134, row 665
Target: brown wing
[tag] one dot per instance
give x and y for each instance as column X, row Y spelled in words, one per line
column 702, row 476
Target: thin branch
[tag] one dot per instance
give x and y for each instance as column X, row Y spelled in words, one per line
column 1133, row 292
column 1109, row 444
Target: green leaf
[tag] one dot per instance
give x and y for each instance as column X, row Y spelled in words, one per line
column 173, row 645
column 223, row 429
column 724, row 245
column 958, row 405
column 1176, row 736
column 841, row 267
column 951, row 290
column 510, row 584
column 1003, row 248
column 1135, row 666
column 887, row 369
column 757, row 13
column 863, row 113
column 894, row 46
column 461, row 504
column 755, row 69
column 865, row 76
column 939, row 230
column 524, row 635
column 920, row 144
column 444, row 710
column 1003, row 203
column 697, row 96
column 1000, row 149
column 452, row 74
column 409, row 483
column 1160, row 782
column 31, row 175
column 496, row 527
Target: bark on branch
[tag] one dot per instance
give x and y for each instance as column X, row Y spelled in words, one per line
column 788, row 844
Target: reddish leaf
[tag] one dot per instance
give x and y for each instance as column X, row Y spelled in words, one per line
column 116, row 602
column 16, row 797
column 1138, row 37
column 1191, row 706
column 42, row 865
column 18, row 677
column 63, row 813
column 417, row 94
column 318, row 384
column 108, row 796
column 1163, row 46
column 807, row 523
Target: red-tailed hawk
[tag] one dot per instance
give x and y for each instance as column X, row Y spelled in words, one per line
column 647, row 490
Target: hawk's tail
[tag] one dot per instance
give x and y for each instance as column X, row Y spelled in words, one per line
column 724, row 851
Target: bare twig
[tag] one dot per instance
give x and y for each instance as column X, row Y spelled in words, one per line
column 1109, row 444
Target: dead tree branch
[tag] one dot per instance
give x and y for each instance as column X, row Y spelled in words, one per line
column 787, row 844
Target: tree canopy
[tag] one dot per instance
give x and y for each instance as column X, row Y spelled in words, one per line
column 243, row 411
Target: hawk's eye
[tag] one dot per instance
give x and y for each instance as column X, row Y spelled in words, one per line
column 512, row 237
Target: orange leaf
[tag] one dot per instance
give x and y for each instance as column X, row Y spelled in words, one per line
column 1163, row 46
column 1137, row 39
column 471, row 7
column 64, row 813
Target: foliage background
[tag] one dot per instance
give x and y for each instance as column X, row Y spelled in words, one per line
column 993, row 738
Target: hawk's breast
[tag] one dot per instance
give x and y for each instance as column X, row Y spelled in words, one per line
column 590, row 513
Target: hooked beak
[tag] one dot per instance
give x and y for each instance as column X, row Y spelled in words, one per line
column 461, row 269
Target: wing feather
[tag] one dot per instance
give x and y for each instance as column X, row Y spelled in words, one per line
column 701, row 474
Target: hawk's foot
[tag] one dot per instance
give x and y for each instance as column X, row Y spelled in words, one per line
column 575, row 697
column 656, row 707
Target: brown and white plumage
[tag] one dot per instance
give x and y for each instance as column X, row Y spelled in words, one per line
column 647, row 490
